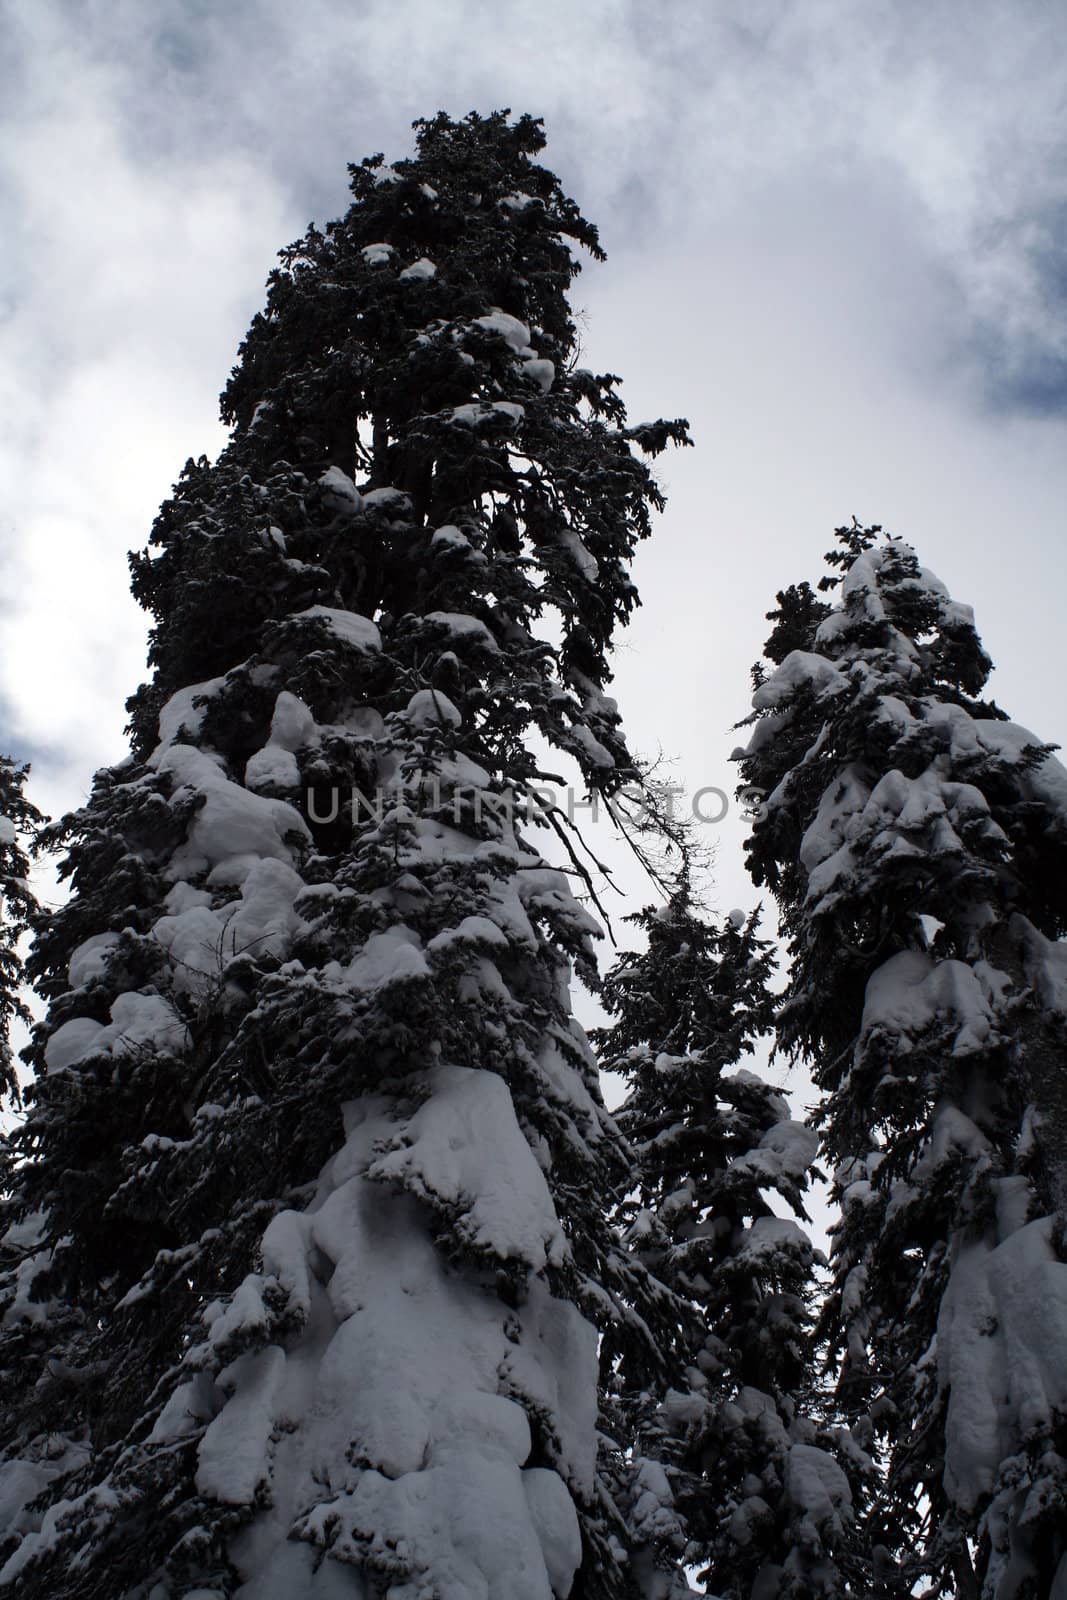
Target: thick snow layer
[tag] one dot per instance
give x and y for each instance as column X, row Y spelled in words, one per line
column 596, row 753
column 201, row 938
column 401, row 1414
column 509, row 915
column 27, row 1236
column 1046, row 963
column 339, row 491
column 263, row 920
column 145, row 1021
column 292, row 726
column 764, row 733
column 556, row 1525
column 390, row 957
column 377, row 255
column 72, row 1041
column 472, row 930
column 464, row 1152
column 766, row 1237
column 451, row 536
column 478, row 411
column 233, row 1458
column 541, row 372
column 970, row 738
column 348, row 626
column 461, row 626
column 867, row 572
column 179, row 715
column 652, row 1513
column 388, row 498
column 843, row 800
column 511, row 330
column 918, row 818
column 817, row 1487
column 272, row 768
column 231, row 822
column 43, row 1541
column 581, row 557
column 421, row 269
column 1008, row 740
column 470, row 414
column 245, row 1312
column 460, row 771
column 89, row 961
column 138, row 1021
column 911, row 992
column 831, row 629
column 194, row 940
column 546, row 888
column 431, row 708
column 1001, row 1353
column 861, row 583
column 23, row 1479
column 22, row 1307
column 868, row 593
column 8, row 831
column 785, row 1150
column 800, row 669
column 189, row 1407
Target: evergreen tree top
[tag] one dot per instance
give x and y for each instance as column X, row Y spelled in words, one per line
column 884, row 682
column 411, row 434
column 695, row 986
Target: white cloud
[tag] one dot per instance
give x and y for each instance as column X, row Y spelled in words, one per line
column 833, row 233
column 128, row 283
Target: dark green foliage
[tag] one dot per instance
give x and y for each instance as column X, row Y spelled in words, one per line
column 354, row 366
column 722, row 1457
column 916, row 841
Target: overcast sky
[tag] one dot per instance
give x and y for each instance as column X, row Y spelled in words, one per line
column 837, row 242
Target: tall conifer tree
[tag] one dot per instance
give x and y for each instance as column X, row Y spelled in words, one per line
column 733, row 1475
column 318, row 1146
column 917, row 843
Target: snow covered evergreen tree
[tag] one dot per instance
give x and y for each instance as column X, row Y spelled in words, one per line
column 917, row 843
column 316, row 1148
column 18, row 818
column 731, row 1471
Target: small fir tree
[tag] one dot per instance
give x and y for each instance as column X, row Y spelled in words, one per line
column 731, row 1471
column 19, row 818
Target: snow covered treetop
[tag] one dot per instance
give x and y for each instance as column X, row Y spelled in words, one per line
column 412, row 435
column 894, row 612
column 877, row 761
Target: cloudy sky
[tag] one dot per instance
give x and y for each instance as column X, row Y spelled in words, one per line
column 837, row 241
